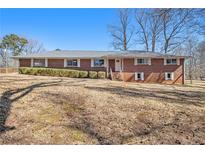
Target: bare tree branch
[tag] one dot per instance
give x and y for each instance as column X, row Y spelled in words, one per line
column 33, row 46
column 122, row 33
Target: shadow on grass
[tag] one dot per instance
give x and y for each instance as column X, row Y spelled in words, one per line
column 177, row 96
column 8, row 97
column 76, row 109
column 82, row 117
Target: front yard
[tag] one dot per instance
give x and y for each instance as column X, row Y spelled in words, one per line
column 52, row 110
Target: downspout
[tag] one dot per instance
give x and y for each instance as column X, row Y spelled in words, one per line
column 122, row 62
column 107, row 68
column 183, row 71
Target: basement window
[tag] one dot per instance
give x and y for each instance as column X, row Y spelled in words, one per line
column 139, row 75
column 169, row 76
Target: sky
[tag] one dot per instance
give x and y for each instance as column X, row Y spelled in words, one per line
column 68, row 29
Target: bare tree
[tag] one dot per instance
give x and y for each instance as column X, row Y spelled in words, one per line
column 201, row 60
column 150, row 27
column 142, row 20
column 3, row 58
column 191, row 50
column 33, row 46
column 3, row 55
column 176, row 23
column 123, row 31
column 199, row 21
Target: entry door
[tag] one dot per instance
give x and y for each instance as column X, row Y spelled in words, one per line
column 117, row 64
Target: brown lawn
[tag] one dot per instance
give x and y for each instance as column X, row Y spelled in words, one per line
column 52, row 110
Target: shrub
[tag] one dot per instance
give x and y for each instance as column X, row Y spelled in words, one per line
column 22, row 70
column 101, row 75
column 93, row 74
column 33, row 71
column 62, row 72
column 83, row 74
column 74, row 73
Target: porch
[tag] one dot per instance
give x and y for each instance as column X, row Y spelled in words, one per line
column 115, row 68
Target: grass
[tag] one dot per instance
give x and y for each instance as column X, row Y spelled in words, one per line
column 52, row 110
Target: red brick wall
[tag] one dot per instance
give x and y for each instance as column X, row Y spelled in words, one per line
column 24, row 62
column 154, row 73
column 56, row 63
column 85, row 64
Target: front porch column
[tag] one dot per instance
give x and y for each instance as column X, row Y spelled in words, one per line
column 65, row 62
column 46, row 62
column 31, row 62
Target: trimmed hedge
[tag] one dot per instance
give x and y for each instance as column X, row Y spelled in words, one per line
column 101, row 75
column 83, row 74
column 93, row 74
column 62, row 72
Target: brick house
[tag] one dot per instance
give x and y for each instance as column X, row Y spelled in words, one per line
column 135, row 66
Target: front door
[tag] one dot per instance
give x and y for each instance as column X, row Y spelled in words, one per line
column 117, row 64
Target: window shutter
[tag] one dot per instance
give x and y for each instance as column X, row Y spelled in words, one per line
column 136, row 76
column 78, row 62
column 65, row 62
column 135, row 61
column 92, row 62
column 172, row 75
column 165, row 61
column 150, row 61
column 178, row 61
column 142, row 75
column 31, row 62
column 165, row 75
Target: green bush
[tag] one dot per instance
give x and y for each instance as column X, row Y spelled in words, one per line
column 74, row 74
column 83, row 74
column 93, row 74
column 62, row 72
column 22, row 70
column 101, row 75
column 33, row 71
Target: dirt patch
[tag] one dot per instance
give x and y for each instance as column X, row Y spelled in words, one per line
column 51, row 110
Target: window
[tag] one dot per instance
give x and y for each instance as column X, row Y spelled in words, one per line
column 39, row 62
column 139, row 76
column 169, row 75
column 171, row 61
column 72, row 63
column 98, row 62
column 142, row 61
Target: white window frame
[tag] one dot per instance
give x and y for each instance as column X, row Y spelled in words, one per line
column 93, row 62
column 38, row 64
column 141, row 74
column 66, row 63
column 165, row 61
column 166, row 75
column 147, row 59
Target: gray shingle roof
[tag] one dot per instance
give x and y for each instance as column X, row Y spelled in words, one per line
column 94, row 54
